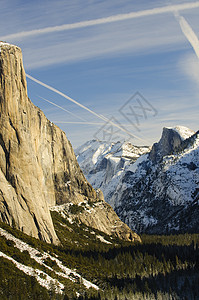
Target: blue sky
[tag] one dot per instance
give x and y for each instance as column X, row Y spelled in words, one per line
column 102, row 66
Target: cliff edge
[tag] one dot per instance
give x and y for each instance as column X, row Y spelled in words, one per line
column 38, row 168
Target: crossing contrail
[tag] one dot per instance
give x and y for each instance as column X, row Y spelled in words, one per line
column 85, row 123
column 82, row 123
column 74, row 115
column 110, row 19
column 66, row 97
column 188, row 32
column 82, row 106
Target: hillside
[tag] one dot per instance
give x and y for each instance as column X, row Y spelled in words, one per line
column 91, row 265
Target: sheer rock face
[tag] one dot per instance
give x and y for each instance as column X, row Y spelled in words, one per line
column 168, row 143
column 38, row 167
column 171, row 140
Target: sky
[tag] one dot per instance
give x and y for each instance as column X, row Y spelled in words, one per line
column 109, row 70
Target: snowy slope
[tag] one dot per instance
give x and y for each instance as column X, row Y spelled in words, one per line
column 104, row 164
column 183, row 131
column 43, row 278
column 154, row 191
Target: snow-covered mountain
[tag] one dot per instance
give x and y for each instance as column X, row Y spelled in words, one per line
column 104, row 164
column 153, row 190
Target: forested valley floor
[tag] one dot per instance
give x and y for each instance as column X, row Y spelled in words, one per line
column 161, row 267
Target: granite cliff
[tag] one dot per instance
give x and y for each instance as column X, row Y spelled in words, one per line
column 38, row 168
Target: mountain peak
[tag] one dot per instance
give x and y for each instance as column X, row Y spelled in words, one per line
column 183, row 131
column 171, row 139
column 156, row 191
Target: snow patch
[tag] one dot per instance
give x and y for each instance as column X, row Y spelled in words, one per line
column 133, row 167
column 40, row 258
column 102, row 239
column 183, row 131
column 4, row 44
column 43, row 278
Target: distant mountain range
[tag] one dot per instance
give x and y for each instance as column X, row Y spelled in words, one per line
column 152, row 189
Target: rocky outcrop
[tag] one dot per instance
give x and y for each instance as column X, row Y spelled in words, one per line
column 170, row 141
column 38, row 168
column 97, row 215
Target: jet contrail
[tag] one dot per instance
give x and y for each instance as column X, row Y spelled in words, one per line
column 188, row 32
column 74, row 115
column 82, row 106
column 110, row 19
column 83, row 123
column 65, row 96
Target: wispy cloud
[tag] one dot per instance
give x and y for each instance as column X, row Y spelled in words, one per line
column 189, row 64
column 99, row 21
column 117, row 39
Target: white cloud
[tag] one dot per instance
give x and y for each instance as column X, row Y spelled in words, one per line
column 130, row 37
column 100, row 21
column 189, row 64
